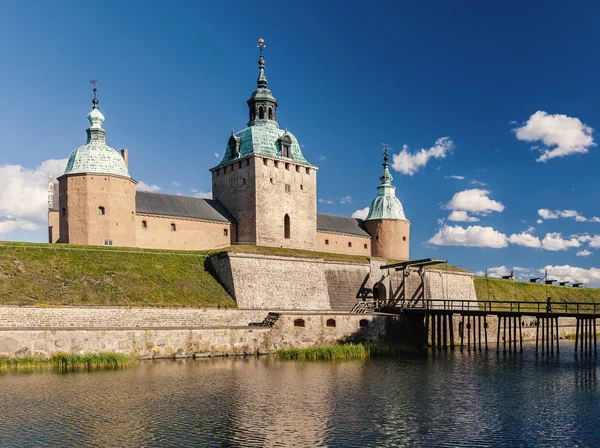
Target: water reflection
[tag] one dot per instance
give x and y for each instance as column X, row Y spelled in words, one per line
column 446, row 399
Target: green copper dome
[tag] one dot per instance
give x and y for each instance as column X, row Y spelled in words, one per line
column 96, row 156
column 386, row 205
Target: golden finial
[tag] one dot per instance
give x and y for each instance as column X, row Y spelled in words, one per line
column 261, row 46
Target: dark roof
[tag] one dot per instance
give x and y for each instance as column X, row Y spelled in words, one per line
column 181, row 207
column 341, row 224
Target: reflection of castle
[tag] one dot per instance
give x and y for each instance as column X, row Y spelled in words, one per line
column 264, row 193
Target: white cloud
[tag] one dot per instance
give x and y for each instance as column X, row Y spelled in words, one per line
column 472, row 236
column 454, row 176
column 461, row 216
column 216, row 154
column 325, row 201
column 474, row 201
column 561, row 135
column 498, row 271
column 408, row 163
column 525, row 239
column 143, row 186
column 595, row 242
column 176, row 184
column 346, row 200
column 203, row 194
column 555, row 214
column 24, row 198
column 583, row 253
column 361, row 214
column 555, row 241
column 595, row 219
column 573, row 274
column 322, row 157
column 476, row 182
column 539, row 221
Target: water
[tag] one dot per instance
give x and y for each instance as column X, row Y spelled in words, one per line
column 446, row 399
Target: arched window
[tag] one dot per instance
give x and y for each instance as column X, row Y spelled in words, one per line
column 299, row 323
column 234, row 146
column 286, row 226
column 144, row 224
column 331, row 322
column 366, row 247
column 261, row 113
column 286, row 146
column 326, row 242
column 101, row 211
column 364, row 323
column 173, row 227
column 349, row 243
column 225, row 232
column 270, row 113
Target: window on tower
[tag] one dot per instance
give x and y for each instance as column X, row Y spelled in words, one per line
column 288, row 188
column 270, row 113
column 173, row 227
column 144, row 225
column 101, row 211
column 286, row 146
column 261, row 113
column 286, row 226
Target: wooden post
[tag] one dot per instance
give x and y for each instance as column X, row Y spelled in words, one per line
column 537, row 333
column 462, row 331
column 474, row 327
column 499, row 319
column 582, row 336
column 576, row 334
column 551, row 325
column 451, row 331
column 485, row 325
column 439, row 331
column 557, row 336
column 515, row 334
column 504, row 333
column 445, row 322
column 479, row 331
column 542, row 321
column 595, row 350
column 520, row 335
column 509, row 333
column 427, row 330
column 469, row 333
column 433, row 330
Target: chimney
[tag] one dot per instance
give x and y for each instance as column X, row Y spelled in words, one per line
column 125, row 155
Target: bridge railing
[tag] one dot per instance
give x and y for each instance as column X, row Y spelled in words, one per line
column 509, row 306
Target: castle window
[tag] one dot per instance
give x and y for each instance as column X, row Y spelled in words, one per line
column 301, row 187
column 108, row 242
column 270, row 113
column 349, row 243
column 173, row 227
column 331, row 322
column 326, row 242
column 308, row 171
column 64, row 211
column 287, row 166
column 276, row 164
column 266, row 162
column 286, row 145
column 101, row 211
column 403, row 238
column 261, row 113
column 144, row 225
column 240, row 165
column 366, row 247
column 247, row 162
column 288, row 188
column 272, row 181
column 232, row 167
column 364, row 323
column 286, row 226
column 225, row 232
column 377, row 237
column 299, row 323
column 297, row 168
column 234, row 146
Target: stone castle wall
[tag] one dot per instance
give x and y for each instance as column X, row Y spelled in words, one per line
column 190, row 234
column 454, row 285
column 390, row 238
column 343, row 244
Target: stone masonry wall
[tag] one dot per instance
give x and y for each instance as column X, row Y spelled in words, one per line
column 344, row 281
column 343, row 244
column 440, row 284
column 113, row 317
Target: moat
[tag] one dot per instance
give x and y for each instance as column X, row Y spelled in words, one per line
column 446, row 398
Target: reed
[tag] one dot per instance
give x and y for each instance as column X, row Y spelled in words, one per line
column 364, row 350
column 67, row 362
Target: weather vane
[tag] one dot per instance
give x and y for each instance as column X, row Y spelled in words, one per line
column 95, row 89
column 385, row 152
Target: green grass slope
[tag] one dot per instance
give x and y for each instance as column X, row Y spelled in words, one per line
column 500, row 289
column 43, row 274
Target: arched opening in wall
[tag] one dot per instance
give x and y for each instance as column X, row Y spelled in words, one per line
column 101, row 211
column 144, row 224
column 299, row 323
column 261, row 113
column 366, row 247
column 225, row 232
column 331, row 322
column 364, row 323
column 379, row 291
column 173, row 227
column 349, row 243
column 286, row 226
column 270, row 113
column 326, row 242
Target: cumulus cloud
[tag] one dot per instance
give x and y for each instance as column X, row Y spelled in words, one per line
column 539, row 221
column 409, row 163
column 143, row 186
column 555, row 214
column 24, row 198
column 474, row 201
column 498, row 271
column 555, row 241
column 203, row 194
column 472, row 236
column 594, row 241
column 325, row 201
column 583, row 253
column 361, row 214
column 461, row 216
column 216, row 154
column 346, row 200
column 525, row 239
column 454, row 176
column 574, row 274
column 560, row 134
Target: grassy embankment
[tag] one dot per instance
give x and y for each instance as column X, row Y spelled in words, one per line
column 500, row 289
column 65, row 362
column 345, row 351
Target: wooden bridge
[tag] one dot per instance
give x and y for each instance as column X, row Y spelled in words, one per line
column 465, row 323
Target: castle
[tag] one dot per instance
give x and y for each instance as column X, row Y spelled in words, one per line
column 264, row 193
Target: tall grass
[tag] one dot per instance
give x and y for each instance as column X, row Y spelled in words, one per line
column 364, row 350
column 66, row 362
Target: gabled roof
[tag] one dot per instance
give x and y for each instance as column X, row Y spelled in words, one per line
column 181, row 207
column 341, row 224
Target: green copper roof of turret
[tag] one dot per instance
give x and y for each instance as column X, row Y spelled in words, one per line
column 386, row 205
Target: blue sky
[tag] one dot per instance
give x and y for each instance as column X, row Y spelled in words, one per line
column 174, row 79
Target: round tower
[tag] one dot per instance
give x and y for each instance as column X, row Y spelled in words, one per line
column 386, row 222
column 96, row 193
